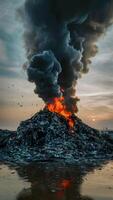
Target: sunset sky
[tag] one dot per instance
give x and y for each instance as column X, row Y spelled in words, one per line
column 17, row 99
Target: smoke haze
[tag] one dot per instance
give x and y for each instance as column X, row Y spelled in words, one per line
column 60, row 39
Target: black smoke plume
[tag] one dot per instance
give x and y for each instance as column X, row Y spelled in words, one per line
column 60, row 37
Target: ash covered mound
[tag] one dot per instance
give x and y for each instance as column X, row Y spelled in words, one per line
column 48, row 137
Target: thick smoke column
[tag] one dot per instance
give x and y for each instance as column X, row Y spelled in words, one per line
column 44, row 70
column 60, row 38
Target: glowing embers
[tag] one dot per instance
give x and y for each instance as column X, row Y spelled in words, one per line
column 58, row 107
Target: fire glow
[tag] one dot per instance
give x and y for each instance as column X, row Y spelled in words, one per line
column 58, row 107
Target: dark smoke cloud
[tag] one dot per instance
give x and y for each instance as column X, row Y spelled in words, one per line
column 48, row 67
column 60, row 38
column 96, row 24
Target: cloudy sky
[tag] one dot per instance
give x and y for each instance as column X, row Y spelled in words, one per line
column 17, row 99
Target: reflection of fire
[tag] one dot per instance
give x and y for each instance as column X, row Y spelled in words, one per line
column 58, row 107
column 64, row 184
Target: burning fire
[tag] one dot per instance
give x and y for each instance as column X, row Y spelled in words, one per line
column 58, row 107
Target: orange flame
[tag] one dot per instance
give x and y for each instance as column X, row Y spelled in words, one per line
column 58, row 107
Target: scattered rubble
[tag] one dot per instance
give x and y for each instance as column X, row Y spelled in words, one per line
column 48, row 137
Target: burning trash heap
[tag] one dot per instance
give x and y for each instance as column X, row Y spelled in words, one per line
column 60, row 39
column 48, row 136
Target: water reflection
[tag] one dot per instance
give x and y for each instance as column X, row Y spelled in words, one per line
column 52, row 181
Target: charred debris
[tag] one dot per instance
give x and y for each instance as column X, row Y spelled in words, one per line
column 47, row 137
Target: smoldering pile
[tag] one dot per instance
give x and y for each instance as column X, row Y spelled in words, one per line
column 48, row 137
column 60, row 39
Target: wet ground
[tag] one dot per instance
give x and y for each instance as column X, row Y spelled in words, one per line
column 56, row 181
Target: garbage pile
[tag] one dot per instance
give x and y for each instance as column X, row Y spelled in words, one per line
column 47, row 137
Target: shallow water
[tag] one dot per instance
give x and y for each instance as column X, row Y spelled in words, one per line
column 56, row 181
